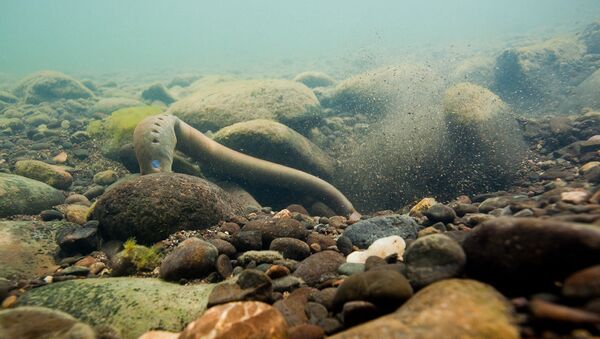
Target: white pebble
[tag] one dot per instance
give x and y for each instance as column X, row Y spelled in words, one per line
column 381, row 248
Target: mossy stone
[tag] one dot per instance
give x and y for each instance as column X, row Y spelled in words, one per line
column 50, row 174
column 50, row 86
column 273, row 141
column 21, row 195
column 131, row 305
column 117, row 129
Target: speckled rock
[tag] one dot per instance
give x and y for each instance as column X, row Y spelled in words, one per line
column 365, row 232
column 279, row 228
column 20, row 195
column 41, row 322
column 446, row 309
column 106, row 177
column 249, row 319
column 131, row 305
column 432, row 258
column 27, row 248
column 290, row 248
column 151, row 207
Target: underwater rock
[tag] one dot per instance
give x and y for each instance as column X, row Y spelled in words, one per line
column 52, row 175
column 314, row 79
column 51, row 86
column 27, row 248
column 157, row 92
column 221, row 104
column 585, row 96
column 151, row 207
column 382, row 90
column 21, row 195
column 447, row 309
column 105, row 178
column 130, row 305
column 237, row 193
column 109, row 105
column 192, row 258
column 365, row 232
column 524, row 253
column 312, row 268
column 384, row 288
column 41, row 322
column 432, row 258
column 116, row 130
column 535, row 78
column 275, row 142
column 381, row 248
column 248, row 319
column 290, row 248
column 478, row 70
column 279, row 228
column 484, row 140
column 591, row 37
column 8, row 98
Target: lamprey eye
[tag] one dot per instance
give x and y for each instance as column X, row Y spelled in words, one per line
column 155, row 164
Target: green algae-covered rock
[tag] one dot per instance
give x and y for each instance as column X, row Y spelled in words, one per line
column 41, row 322
column 314, row 79
column 452, row 308
column 52, row 175
column 51, row 86
column 219, row 104
column 272, row 141
column 131, row 305
column 21, row 195
column 27, row 248
column 117, row 129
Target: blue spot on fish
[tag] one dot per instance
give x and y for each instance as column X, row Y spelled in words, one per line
column 155, row 164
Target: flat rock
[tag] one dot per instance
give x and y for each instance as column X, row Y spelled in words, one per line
column 446, row 309
column 130, row 305
column 27, row 248
column 41, row 322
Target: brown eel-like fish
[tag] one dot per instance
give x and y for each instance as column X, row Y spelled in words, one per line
column 156, row 138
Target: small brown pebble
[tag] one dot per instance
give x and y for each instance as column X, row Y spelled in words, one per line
column 306, row 331
column 314, row 248
column 230, row 227
column 277, row 271
column 9, row 301
column 547, row 310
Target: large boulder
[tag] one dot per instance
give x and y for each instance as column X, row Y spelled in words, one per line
column 151, row 207
column 116, row 130
column 130, row 305
column 520, row 254
column 585, row 95
column 27, row 248
column 447, row 309
column 219, row 104
column 273, row 141
column 40, row 322
column 21, row 195
column 485, row 146
column 382, row 90
column 535, row 78
column 51, row 86
column 109, row 105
